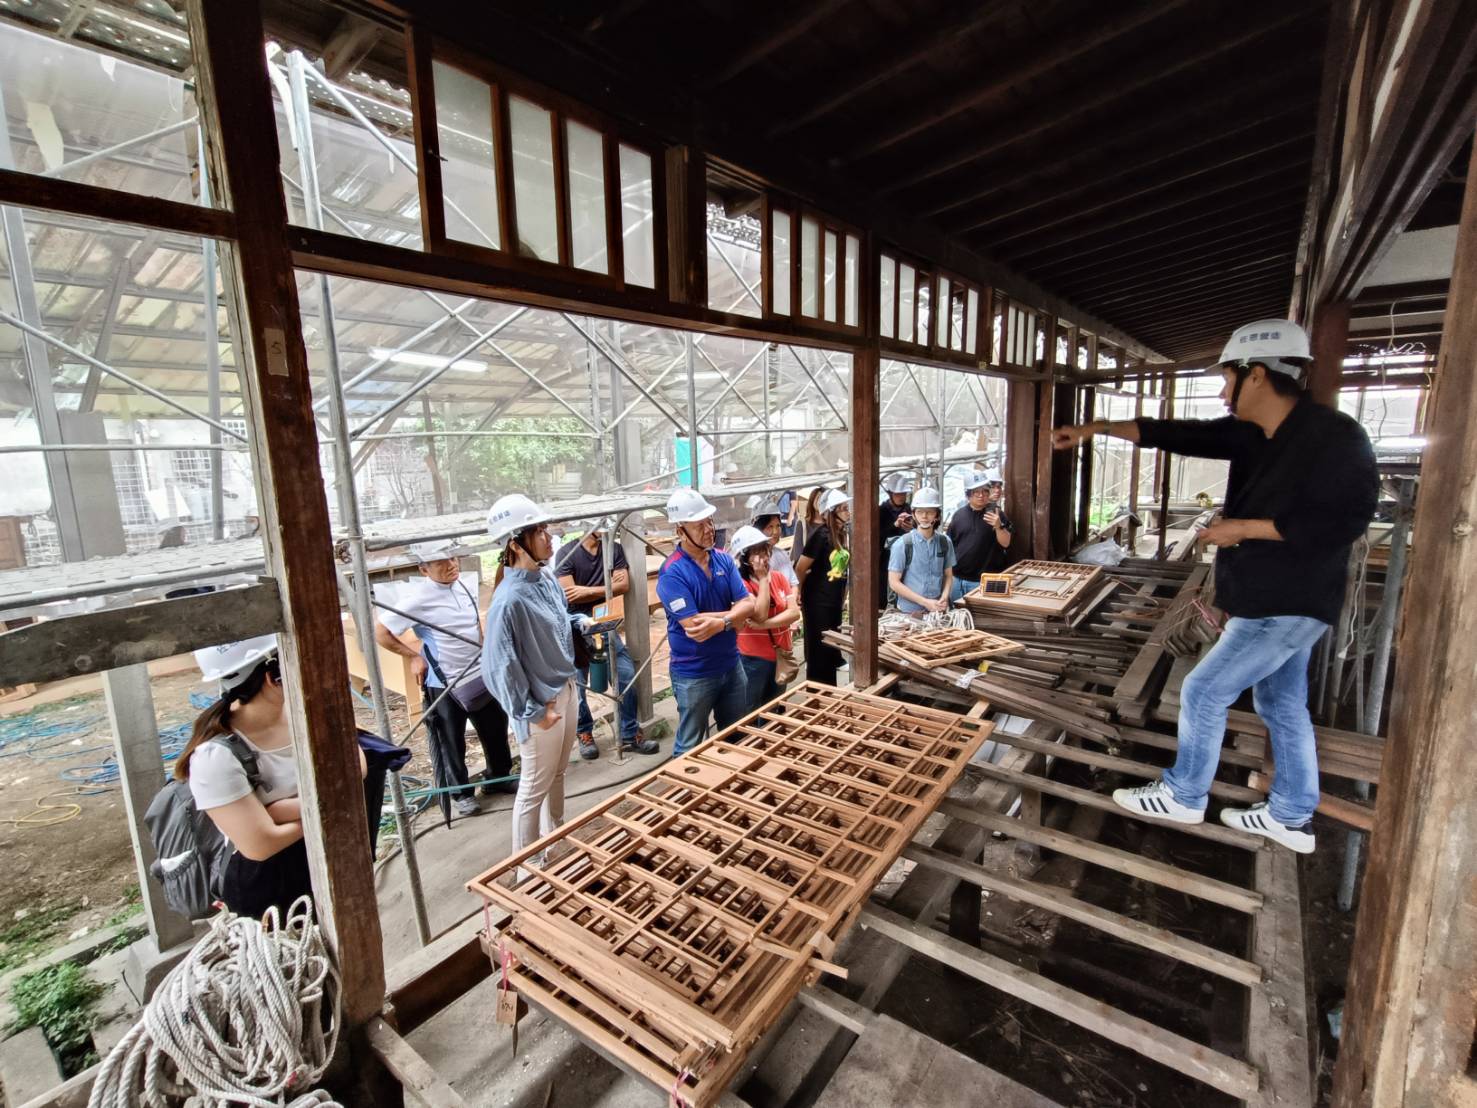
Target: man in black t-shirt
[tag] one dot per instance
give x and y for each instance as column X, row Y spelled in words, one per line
column 580, row 568
column 896, row 515
column 1301, row 489
column 980, row 531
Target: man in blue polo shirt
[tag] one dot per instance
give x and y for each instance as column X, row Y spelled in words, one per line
column 706, row 603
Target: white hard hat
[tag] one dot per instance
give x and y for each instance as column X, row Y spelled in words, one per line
column 927, row 497
column 976, row 479
column 1279, row 344
column 898, row 482
column 833, row 499
column 992, row 477
column 435, row 550
column 762, row 508
column 511, row 514
column 231, row 663
column 688, row 506
column 745, row 538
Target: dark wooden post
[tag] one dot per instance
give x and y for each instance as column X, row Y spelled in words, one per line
column 866, row 523
column 243, row 159
column 1020, row 454
column 1330, row 341
column 1045, row 423
column 1409, row 1016
column 1084, row 490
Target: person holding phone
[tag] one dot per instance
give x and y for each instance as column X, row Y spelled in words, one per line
column 981, row 532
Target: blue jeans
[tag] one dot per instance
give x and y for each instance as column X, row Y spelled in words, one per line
column 625, row 678
column 960, row 587
column 759, row 673
column 724, row 696
column 1270, row 656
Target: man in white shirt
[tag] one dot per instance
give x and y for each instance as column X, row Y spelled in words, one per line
column 442, row 610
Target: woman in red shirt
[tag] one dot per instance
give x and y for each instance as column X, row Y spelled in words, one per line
column 776, row 608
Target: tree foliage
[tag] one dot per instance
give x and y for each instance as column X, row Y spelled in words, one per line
column 493, row 466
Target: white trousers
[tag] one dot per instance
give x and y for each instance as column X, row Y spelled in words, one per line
column 539, row 806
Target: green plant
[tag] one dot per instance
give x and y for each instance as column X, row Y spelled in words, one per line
column 25, row 938
column 507, row 463
column 60, row 1000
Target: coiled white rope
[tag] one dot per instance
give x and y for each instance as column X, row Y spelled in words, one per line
column 250, row 1017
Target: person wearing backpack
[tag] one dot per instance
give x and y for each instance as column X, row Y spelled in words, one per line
column 241, row 770
column 920, row 566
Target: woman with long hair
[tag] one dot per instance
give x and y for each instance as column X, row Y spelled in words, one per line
column 528, row 663
column 776, row 609
column 269, row 864
column 823, row 572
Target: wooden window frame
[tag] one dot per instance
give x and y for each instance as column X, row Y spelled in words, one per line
column 825, row 225
column 422, row 49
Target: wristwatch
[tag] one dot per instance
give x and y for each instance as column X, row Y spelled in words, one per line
column 728, row 623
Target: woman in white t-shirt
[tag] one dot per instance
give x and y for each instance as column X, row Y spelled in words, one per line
column 269, row 866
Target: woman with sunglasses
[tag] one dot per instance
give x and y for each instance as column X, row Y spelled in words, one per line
column 528, row 663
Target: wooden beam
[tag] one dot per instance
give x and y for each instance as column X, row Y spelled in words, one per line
column 1020, row 458
column 1330, row 341
column 417, row 1077
column 1409, row 1017
column 1120, row 861
column 1061, row 903
column 1049, row 117
column 1045, row 424
column 687, row 226
column 1278, row 1039
column 55, row 194
column 1175, row 1051
column 242, row 157
column 798, row 20
column 1028, row 65
column 1085, row 466
column 866, row 538
column 55, row 649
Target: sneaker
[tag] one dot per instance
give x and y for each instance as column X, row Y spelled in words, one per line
column 588, row 750
column 467, row 806
column 1155, row 801
column 640, row 744
column 1259, row 821
column 498, row 788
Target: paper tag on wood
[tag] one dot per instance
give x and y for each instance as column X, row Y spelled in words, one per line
column 508, row 1002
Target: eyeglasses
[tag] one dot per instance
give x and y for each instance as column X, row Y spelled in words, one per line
column 536, row 529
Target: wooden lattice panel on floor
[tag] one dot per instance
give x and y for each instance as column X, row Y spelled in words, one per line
column 673, row 923
column 1040, row 589
column 943, row 646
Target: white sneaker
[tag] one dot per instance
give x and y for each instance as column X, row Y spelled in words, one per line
column 1259, row 821
column 1155, row 801
column 467, row 806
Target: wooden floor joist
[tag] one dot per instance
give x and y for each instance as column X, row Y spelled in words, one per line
column 1215, row 1069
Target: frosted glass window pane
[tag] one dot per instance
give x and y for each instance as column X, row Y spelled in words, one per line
column 586, row 168
column 886, row 296
column 810, row 243
column 971, row 321
column 906, row 307
column 468, row 171
column 779, row 249
column 925, row 290
column 533, row 180
column 943, row 338
column 638, row 232
column 956, row 321
column 853, row 292
column 830, row 276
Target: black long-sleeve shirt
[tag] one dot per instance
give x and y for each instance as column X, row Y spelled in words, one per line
column 976, row 546
column 1315, row 479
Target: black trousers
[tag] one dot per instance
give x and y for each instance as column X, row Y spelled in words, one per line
column 822, row 660
column 448, row 735
column 250, row 888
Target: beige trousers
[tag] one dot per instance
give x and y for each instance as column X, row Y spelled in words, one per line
column 539, row 806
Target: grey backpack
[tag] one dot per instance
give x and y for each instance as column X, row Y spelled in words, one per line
column 190, row 852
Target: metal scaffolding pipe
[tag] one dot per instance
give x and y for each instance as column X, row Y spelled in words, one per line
column 349, row 506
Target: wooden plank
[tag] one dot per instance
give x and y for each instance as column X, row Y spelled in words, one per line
column 1120, row 861
column 1149, row 662
column 1175, row 1051
column 417, row 1076
column 56, row 194
column 1210, row 831
column 1279, row 1040
column 1119, row 926
column 241, row 156
column 837, row 1008
column 427, row 980
column 866, row 537
column 55, row 649
column 1348, row 812
column 894, row 1065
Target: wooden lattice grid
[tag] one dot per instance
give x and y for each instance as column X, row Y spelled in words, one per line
column 1030, row 595
column 950, row 645
column 673, row 922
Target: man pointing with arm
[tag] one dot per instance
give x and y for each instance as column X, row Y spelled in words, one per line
column 1302, row 488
